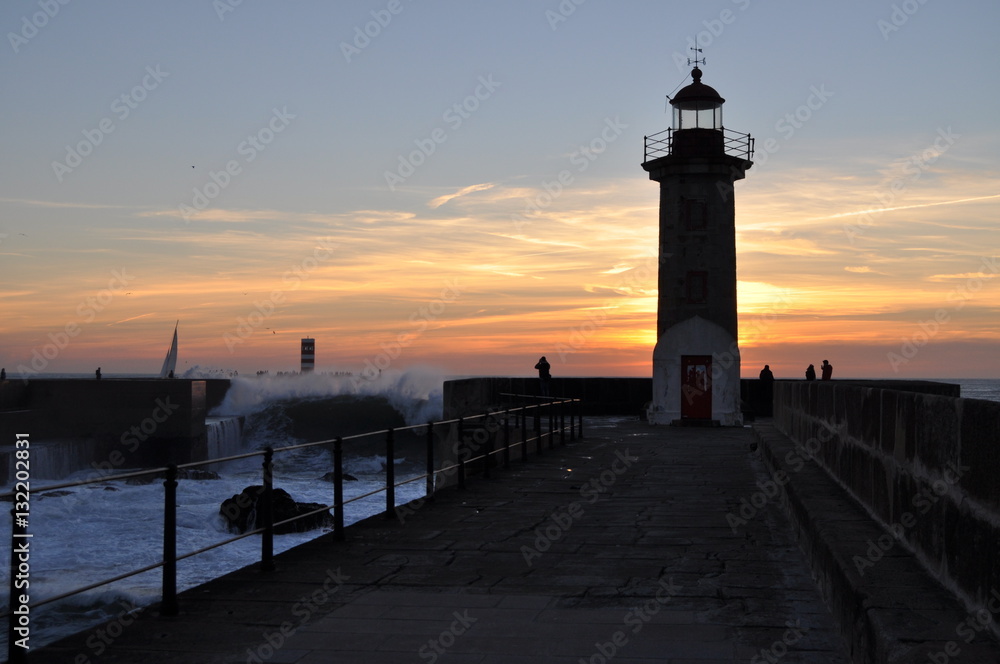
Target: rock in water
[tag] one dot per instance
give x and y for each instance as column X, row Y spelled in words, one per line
column 241, row 511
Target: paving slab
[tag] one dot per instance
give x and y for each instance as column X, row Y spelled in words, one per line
column 618, row 547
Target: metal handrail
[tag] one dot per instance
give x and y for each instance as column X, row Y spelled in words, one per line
column 734, row 144
column 268, row 528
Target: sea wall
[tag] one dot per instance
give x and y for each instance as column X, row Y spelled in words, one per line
column 601, row 396
column 107, row 424
column 923, row 465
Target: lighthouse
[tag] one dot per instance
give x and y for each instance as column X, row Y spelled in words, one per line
column 308, row 355
column 696, row 360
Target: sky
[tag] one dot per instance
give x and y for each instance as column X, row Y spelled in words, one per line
column 458, row 185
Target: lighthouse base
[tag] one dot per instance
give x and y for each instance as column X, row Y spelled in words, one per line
column 696, row 376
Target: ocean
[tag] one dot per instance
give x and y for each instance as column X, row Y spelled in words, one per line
column 84, row 534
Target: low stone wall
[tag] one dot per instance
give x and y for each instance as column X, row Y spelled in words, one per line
column 923, row 465
column 601, row 396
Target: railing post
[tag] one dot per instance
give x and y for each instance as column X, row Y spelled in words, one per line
column 168, row 606
column 390, row 474
column 552, row 425
column 266, row 511
column 562, row 422
column 579, row 413
column 338, row 490
column 488, row 453
column 506, row 437
column 460, row 451
column 523, row 414
column 430, row 461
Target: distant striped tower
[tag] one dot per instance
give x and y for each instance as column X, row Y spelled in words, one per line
column 308, row 355
column 696, row 362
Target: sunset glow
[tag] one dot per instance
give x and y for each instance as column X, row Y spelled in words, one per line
column 867, row 229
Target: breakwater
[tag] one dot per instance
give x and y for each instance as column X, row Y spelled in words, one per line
column 923, row 466
column 116, row 423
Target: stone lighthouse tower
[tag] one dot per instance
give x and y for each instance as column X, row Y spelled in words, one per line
column 696, row 361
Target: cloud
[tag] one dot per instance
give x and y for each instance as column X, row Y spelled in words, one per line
column 441, row 200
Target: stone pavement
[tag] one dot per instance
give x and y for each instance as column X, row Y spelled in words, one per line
column 627, row 546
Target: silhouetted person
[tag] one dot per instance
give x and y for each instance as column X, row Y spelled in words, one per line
column 97, row 374
column 3, row 374
column 827, row 370
column 171, row 374
column 765, row 394
column 811, row 373
column 544, row 376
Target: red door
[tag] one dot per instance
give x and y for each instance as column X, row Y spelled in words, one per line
column 696, row 387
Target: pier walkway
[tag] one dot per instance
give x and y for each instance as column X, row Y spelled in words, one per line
column 627, row 546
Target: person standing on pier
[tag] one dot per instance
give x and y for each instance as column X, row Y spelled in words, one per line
column 97, row 374
column 811, row 373
column 827, row 370
column 544, row 376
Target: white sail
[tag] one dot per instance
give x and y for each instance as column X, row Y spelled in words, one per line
column 170, row 361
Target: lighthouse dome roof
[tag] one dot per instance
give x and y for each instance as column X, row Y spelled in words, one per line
column 697, row 93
